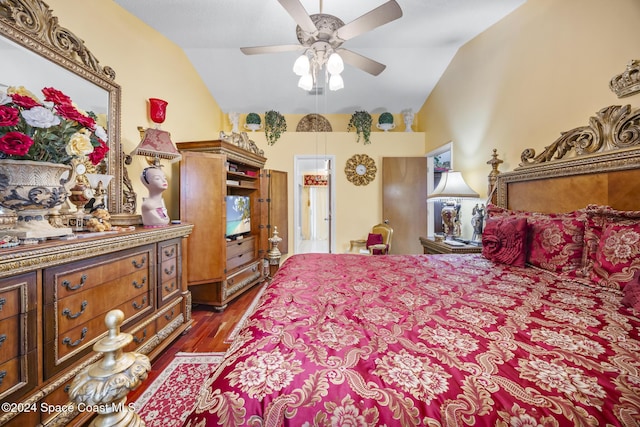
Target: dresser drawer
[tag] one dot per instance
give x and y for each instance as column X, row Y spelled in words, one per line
column 169, row 250
column 70, row 345
column 169, row 290
column 169, row 315
column 18, row 376
column 79, row 308
column 141, row 335
column 10, row 334
column 238, row 247
column 18, row 340
column 168, row 270
column 243, row 278
column 69, row 279
column 10, row 302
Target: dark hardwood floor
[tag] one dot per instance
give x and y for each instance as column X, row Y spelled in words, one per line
column 207, row 334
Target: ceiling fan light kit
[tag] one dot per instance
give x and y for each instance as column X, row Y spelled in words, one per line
column 322, row 35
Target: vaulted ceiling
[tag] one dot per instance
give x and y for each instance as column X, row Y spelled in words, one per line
column 416, row 49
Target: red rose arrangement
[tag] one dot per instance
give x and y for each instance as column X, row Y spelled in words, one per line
column 53, row 130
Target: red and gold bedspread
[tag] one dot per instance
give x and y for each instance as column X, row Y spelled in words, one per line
column 420, row 340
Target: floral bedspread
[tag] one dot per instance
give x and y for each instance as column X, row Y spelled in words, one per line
column 427, row 340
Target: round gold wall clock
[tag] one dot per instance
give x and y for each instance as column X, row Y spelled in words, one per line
column 360, row 169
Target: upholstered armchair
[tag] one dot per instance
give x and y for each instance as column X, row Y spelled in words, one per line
column 379, row 239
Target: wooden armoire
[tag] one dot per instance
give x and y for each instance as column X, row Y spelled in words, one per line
column 218, row 267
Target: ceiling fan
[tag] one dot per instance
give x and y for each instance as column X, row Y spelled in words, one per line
column 324, row 34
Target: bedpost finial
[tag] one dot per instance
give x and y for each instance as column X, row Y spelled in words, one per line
column 494, row 162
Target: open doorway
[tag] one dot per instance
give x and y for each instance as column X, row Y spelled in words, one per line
column 438, row 161
column 314, row 204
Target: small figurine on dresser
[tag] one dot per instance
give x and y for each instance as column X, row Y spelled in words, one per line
column 477, row 221
column 154, row 211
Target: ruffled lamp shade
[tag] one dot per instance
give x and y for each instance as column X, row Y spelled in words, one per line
column 157, row 143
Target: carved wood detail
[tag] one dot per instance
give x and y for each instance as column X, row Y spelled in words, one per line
column 36, row 20
column 612, row 128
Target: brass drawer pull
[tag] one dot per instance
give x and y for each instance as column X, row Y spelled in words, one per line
column 2, row 375
column 3, row 301
column 66, row 312
column 169, row 316
column 169, row 252
column 68, row 342
column 139, row 285
column 141, row 264
column 142, row 304
column 169, row 271
column 3, row 338
column 70, row 287
column 140, row 340
column 169, row 289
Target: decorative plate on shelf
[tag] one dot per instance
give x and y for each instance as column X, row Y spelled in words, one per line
column 313, row 123
column 360, row 169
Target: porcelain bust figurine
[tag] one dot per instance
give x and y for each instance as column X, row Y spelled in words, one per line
column 407, row 115
column 154, row 212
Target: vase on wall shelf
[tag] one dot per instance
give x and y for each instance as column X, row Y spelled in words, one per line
column 253, row 126
column 385, row 126
column 30, row 189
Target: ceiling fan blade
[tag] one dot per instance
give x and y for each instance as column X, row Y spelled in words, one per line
column 299, row 15
column 365, row 64
column 389, row 11
column 256, row 50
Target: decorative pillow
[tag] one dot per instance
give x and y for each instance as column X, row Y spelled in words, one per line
column 597, row 218
column 617, row 256
column 555, row 240
column 504, row 240
column 631, row 296
column 374, row 239
column 555, row 244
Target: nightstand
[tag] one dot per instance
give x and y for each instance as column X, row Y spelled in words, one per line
column 430, row 246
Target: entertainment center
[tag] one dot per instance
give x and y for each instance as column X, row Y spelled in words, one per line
column 224, row 192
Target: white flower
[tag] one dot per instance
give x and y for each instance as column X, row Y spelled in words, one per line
column 40, row 117
column 101, row 133
column 4, row 98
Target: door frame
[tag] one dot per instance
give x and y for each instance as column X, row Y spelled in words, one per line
column 299, row 161
column 430, row 180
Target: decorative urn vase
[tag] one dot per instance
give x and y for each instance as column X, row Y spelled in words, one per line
column 386, row 126
column 385, row 122
column 30, row 189
column 253, row 122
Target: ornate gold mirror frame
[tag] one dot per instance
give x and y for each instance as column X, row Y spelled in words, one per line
column 31, row 24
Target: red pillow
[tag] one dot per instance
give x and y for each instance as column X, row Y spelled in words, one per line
column 504, row 240
column 617, row 257
column 374, row 239
column 631, row 296
column 598, row 218
column 555, row 244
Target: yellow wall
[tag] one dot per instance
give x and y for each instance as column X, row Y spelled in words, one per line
column 542, row 70
column 358, row 208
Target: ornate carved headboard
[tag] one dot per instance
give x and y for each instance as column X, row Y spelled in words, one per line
column 594, row 164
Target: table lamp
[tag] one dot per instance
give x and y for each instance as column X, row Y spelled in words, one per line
column 449, row 191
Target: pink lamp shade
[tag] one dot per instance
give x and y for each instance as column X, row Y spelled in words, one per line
column 157, row 110
column 157, row 143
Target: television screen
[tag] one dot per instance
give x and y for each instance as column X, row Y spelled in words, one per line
column 238, row 215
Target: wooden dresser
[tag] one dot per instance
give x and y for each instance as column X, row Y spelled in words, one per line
column 53, row 301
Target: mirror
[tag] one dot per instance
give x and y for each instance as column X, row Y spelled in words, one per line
column 50, row 55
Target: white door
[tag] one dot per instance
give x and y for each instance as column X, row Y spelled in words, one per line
column 314, row 204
